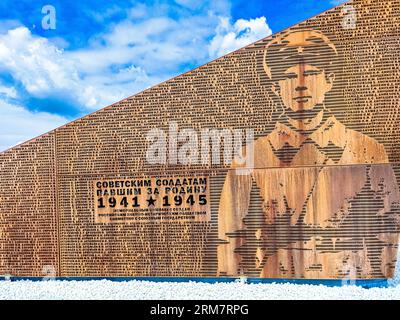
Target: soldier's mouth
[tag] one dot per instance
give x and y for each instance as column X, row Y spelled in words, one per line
column 302, row 99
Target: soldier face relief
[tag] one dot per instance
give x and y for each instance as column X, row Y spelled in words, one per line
column 305, row 87
column 305, row 211
column 302, row 89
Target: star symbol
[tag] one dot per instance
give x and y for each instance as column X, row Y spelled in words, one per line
column 151, row 202
column 300, row 49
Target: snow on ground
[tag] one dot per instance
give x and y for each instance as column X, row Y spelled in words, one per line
column 135, row 290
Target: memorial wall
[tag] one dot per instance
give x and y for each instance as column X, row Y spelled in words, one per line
column 150, row 186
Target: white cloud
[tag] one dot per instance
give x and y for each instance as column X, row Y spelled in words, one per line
column 230, row 37
column 39, row 65
column 8, row 92
column 154, row 39
column 159, row 45
column 18, row 124
column 44, row 70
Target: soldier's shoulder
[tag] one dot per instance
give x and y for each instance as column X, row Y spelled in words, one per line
column 263, row 143
column 366, row 147
column 259, row 152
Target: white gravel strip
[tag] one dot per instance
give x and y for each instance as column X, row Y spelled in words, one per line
column 136, row 290
column 150, row 290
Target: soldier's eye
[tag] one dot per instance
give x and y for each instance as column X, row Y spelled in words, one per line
column 312, row 73
column 290, row 76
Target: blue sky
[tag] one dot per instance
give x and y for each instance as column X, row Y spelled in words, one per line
column 103, row 51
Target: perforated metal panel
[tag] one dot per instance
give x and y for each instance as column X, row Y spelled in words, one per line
column 47, row 209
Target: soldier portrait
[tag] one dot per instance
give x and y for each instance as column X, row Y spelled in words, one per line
column 322, row 198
